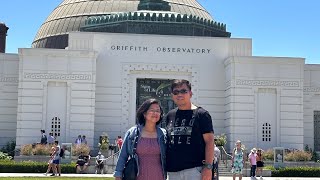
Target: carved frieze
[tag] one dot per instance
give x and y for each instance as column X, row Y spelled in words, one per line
column 243, row 82
column 57, row 76
column 311, row 89
column 9, row 79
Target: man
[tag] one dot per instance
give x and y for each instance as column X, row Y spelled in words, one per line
column 191, row 138
column 82, row 163
column 99, row 163
column 43, row 137
column 84, row 140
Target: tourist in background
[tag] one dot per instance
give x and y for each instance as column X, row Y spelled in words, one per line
column 215, row 170
column 50, row 139
column 43, row 137
column 151, row 145
column 78, row 141
column 56, row 159
column 99, row 163
column 84, row 140
column 119, row 142
column 82, row 163
column 260, row 163
column 50, row 163
column 253, row 162
column 237, row 161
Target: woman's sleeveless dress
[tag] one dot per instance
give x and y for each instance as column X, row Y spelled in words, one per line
column 148, row 150
column 237, row 162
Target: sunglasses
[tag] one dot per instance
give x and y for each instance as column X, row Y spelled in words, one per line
column 182, row 91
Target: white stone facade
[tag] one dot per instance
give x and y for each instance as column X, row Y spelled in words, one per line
column 56, row 93
column 90, row 87
column 9, row 78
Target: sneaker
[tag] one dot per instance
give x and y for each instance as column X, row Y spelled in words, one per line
column 45, row 174
column 261, row 177
column 52, row 175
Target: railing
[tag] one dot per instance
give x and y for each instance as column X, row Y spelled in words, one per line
column 113, row 155
column 111, row 158
column 225, row 157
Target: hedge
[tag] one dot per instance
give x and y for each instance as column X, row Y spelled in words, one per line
column 32, row 167
column 297, row 172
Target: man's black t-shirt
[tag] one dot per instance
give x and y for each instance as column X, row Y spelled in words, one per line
column 186, row 146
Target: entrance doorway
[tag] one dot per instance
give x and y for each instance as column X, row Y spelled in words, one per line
column 57, row 109
column 155, row 88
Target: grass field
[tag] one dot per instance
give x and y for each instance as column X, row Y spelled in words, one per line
column 60, row 178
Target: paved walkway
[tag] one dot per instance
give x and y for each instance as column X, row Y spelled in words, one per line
column 110, row 175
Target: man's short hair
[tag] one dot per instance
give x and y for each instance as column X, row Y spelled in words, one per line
column 180, row 82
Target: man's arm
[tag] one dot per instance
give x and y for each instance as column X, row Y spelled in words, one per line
column 209, row 155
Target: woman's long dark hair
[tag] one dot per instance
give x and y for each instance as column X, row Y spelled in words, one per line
column 144, row 108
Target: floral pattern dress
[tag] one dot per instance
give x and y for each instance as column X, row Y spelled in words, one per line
column 237, row 162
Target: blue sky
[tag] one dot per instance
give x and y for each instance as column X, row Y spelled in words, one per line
column 283, row 28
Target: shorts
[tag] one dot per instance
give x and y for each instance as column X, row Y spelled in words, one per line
column 100, row 166
column 56, row 161
column 260, row 163
column 80, row 163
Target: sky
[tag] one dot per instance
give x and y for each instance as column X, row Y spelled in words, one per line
column 278, row 28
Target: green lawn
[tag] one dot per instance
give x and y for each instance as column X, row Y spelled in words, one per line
column 60, row 178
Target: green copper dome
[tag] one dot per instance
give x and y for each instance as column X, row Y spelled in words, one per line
column 70, row 15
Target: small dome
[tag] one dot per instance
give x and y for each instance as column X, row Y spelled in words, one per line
column 70, row 15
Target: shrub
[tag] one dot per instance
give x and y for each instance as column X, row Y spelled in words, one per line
column 26, row 150
column 31, row 167
column 268, row 155
column 78, row 148
column 298, row 156
column 9, row 148
column 41, row 149
column 296, row 172
column 5, row 156
column 221, row 140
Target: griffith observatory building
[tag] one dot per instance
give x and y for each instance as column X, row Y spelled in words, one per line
column 93, row 62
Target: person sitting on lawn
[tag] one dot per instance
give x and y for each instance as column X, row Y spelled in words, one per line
column 82, row 163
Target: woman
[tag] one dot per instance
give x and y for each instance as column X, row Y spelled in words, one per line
column 260, row 163
column 151, row 146
column 50, row 164
column 237, row 160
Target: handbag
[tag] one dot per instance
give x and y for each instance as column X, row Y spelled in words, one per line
column 130, row 170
